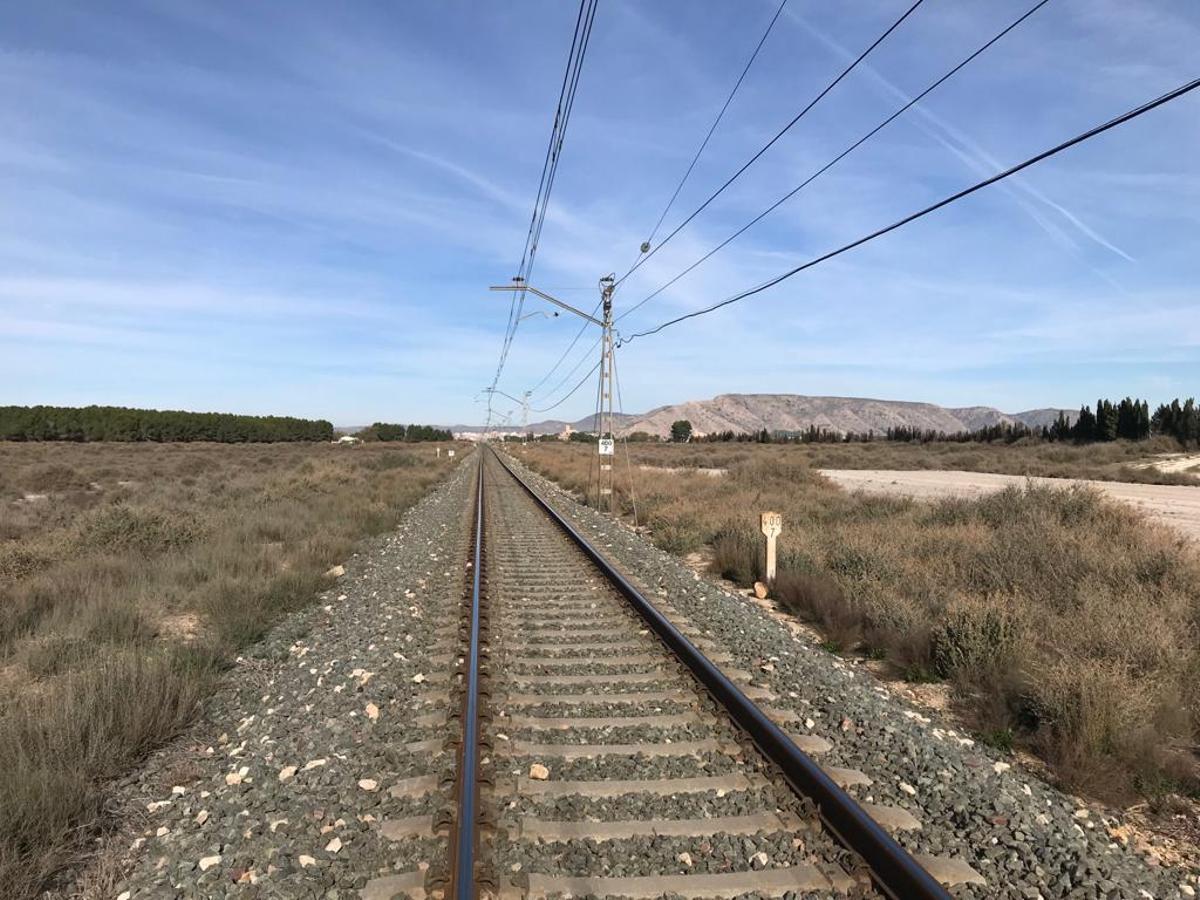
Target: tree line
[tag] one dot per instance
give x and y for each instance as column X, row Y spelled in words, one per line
column 1128, row 419
column 118, row 423
column 386, row 431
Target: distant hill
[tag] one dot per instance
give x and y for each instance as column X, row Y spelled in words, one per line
column 547, row 426
column 747, row 413
column 1036, row 418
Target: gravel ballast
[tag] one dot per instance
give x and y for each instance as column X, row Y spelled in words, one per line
column 1027, row 839
column 283, row 786
column 344, row 691
column 635, row 798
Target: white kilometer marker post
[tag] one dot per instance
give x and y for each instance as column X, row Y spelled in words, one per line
column 771, row 524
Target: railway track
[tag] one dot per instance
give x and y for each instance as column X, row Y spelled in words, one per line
column 608, row 749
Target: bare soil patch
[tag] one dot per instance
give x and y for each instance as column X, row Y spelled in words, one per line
column 1174, row 462
column 1174, row 505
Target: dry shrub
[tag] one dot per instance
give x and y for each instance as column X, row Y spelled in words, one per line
column 53, row 654
column 54, row 478
column 58, row 743
column 819, row 599
column 243, row 612
column 54, row 598
column 121, row 528
column 228, row 537
column 681, row 535
column 1116, row 461
column 17, row 561
column 1064, row 621
column 978, row 639
column 387, row 461
column 1092, row 713
column 737, row 555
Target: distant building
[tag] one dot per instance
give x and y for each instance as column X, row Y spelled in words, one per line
column 565, row 434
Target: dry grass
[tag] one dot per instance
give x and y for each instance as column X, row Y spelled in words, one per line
column 1116, row 461
column 128, row 587
column 1066, row 623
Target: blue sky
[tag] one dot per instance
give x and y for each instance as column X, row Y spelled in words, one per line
column 297, row 207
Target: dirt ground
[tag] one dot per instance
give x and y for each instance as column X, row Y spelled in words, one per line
column 1172, row 505
column 1175, row 462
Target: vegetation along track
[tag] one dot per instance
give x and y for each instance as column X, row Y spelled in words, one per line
column 619, row 754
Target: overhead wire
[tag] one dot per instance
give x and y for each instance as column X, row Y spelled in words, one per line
column 572, row 392
column 574, row 341
column 540, row 218
column 679, row 187
column 800, row 115
column 554, row 150
column 712, row 128
column 566, row 101
column 513, row 306
column 695, row 158
column 579, row 362
column 1090, row 133
column 833, row 162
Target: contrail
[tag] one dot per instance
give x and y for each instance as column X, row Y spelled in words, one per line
column 971, row 153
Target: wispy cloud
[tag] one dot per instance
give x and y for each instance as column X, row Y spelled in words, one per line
column 299, row 209
column 972, row 154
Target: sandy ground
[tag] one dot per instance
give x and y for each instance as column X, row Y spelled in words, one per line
column 1175, row 462
column 1176, row 506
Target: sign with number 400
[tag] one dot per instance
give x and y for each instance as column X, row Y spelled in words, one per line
column 606, row 446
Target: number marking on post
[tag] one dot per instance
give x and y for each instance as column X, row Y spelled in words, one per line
column 771, row 524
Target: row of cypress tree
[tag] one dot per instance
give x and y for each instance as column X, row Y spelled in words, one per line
column 118, row 423
column 1179, row 420
column 386, row 431
column 1129, row 419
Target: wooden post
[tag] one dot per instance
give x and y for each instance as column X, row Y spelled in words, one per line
column 772, row 525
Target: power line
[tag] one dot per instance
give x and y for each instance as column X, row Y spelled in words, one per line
column 563, row 400
column 704, row 143
column 566, row 101
column 732, row 178
column 550, row 166
column 1000, row 176
column 540, row 218
column 712, row 128
column 833, row 162
column 574, row 341
column 575, row 368
column 513, row 306
column 559, row 116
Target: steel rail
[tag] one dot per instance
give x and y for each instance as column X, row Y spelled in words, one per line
column 894, row 871
column 465, row 842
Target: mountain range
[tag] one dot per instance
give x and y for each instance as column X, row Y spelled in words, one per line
column 747, row 413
